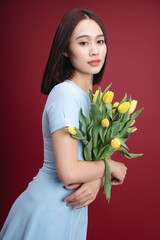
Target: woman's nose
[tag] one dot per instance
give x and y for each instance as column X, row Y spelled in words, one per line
column 93, row 50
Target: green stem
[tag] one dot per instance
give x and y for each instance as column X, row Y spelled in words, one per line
column 115, row 116
column 107, row 184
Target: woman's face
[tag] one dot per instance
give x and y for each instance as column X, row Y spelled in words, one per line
column 87, row 48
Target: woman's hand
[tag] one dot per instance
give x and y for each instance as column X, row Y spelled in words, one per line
column 118, row 171
column 84, row 195
column 87, row 192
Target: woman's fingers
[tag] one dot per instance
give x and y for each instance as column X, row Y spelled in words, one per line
column 119, row 175
column 116, row 182
column 82, row 201
column 77, row 200
column 74, row 195
column 85, row 196
column 73, row 186
column 85, row 204
column 118, row 171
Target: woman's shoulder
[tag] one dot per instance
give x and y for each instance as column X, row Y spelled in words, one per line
column 65, row 88
column 63, row 92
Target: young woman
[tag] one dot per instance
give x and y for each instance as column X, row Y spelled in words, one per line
column 54, row 206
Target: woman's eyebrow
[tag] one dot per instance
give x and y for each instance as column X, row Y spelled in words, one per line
column 82, row 36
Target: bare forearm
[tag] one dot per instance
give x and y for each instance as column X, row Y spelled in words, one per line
column 102, row 181
column 83, row 171
column 71, row 170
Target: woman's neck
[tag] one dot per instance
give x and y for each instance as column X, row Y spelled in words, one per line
column 84, row 81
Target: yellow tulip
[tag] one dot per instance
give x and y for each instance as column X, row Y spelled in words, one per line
column 105, row 122
column 108, row 97
column 115, row 143
column 72, row 130
column 123, row 107
column 96, row 95
column 134, row 130
column 115, row 105
column 133, row 106
column 132, row 123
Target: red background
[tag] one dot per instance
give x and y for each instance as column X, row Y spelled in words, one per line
column 133, row 30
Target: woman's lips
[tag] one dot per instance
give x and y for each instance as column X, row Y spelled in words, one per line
column 94, row 62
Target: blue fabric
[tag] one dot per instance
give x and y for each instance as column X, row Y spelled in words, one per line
column 40, row 213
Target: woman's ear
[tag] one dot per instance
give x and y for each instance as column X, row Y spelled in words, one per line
column 65, row 54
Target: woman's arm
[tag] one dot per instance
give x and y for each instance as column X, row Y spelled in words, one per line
column 69, row 169
column 85, row 193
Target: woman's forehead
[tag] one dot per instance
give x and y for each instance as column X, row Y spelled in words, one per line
column 87, row 27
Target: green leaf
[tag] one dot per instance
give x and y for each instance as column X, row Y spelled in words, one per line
column 109, row 109
column 88, row 151
column 95, row 153
column 125, row 117
column 101, row 131
column 90, row 95
column 103, row 112
column 130, row 99
column 88, row 147
column 122, row 143
column 89, row 130
column 127, row 154
column 124, row 99
column 94, row 112
column 90, row 125
column 130, row 121
column 78, row 135
column 115, row 129
column 130, row 129
column 96, row 116
column 107, row 184
column 99, row 94
column 124, row 126
column 118, row 117
column 104, row 135
column 108, row 136
column 125, row 136
column 103, row 151
column 85, row 142
column 106, row 151
column 84, row 121
column 106, row 90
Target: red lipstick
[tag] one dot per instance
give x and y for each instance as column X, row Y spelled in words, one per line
column 94, row 62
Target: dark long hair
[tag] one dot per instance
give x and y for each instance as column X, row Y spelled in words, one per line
column 59, row 67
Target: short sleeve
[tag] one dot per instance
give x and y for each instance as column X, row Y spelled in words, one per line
column 62, row 109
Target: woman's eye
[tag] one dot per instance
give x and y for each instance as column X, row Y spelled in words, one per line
column 100, row 41
column 83, row 43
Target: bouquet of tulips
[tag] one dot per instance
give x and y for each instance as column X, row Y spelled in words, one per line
column 107, row 130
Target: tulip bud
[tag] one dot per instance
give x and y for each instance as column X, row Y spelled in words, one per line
column 72, row 130
column 123, row 107
column 115, row 143
column 132, row 123
column 134, row 130
column 96, row 95
column 115, row 105
column 105, row 123
column 108, row 97
column 133, row 106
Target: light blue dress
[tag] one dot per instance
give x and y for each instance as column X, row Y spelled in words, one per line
column 40, row 213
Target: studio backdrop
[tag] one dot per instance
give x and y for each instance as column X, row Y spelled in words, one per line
column 133, row 35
